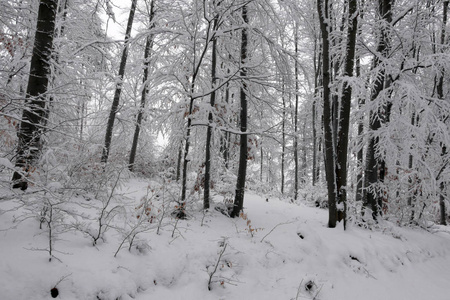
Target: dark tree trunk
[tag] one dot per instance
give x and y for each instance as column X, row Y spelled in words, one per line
column 240, row 185
column 180, row 155
column 261, row 163
column 29, row 135
column 360, row 154
column 344, row 115
column 316, row 61
column 148, row 47
column 322, row 8
column 296, row 115
column 212, row 102
column 195, row 72
column 440, row 92
column 283, row 137
column 374, row 165
column 118, row 91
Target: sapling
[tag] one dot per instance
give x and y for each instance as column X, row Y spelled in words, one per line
column 142, row 220
column 106, row 214
column 211, row 274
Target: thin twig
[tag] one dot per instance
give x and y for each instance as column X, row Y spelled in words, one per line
column 276, row 227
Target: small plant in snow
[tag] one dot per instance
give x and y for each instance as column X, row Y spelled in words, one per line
column 145, row 216
column 249, row 228
column 213, row 269
column 107, row 211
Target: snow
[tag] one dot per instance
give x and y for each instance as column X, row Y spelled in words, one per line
column 289, row 249
column 4, row 162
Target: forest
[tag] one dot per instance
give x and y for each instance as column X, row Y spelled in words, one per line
column 125, row 122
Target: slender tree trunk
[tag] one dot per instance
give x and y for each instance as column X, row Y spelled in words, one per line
column 344, row 115
column 322, row 8
column 304, row 155
column 296, row 115
column 29, row 135
column 283, row 137
column 195, row 72
column 212, row 102
column 360, row 154
column 410, row 179
column 180, row 155
column 118, row 91
column 440, row 92
column 240, row 185
column 314, row 113
column 374, row 166
column 148, row 47
column 261, row 163
column 227, row 135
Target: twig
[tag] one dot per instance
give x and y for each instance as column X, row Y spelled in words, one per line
column 298, row 290
column 215, row 268
column 276, row 227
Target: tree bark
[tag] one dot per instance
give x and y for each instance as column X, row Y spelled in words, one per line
column 296, row 115
column 29, row 135
column 148, row 47
column 322, row 8
column 374, row 166
column 440, row 92
column 240, row 184
column 283, row 138
column 212, row 102
column 360, row 155
column 344, row 115
column 118, row 91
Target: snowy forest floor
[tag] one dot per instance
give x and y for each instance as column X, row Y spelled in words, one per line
column 279, row 250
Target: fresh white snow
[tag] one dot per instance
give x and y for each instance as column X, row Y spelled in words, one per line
column 291, row 255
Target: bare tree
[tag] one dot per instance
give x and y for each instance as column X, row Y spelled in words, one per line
column 29, row 145
column 118, row 91
column 243, row 154
column 148, row 47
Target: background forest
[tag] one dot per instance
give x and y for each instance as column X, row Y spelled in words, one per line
column 339, row 104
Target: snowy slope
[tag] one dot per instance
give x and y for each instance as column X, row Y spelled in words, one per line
column 291, row 255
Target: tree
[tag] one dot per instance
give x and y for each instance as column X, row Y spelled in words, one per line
column 210, row 114
column 336, row 137
column 148, row 47
column 375, row 169
column 440, row 94
column 296, row 75
column 242, row 171
column 29, row 144
column 115, row 104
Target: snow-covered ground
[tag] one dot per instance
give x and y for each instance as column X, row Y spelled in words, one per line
column 278, row 250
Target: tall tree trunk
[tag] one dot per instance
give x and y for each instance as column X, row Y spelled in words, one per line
column 261, row 164
column 29, row 135
column 283, row 137
column 374, row 166
column 148, row 47
column 227, row 135
column 344, row 115
column 316, row 62
column 360, row 154
column 296, row 114
column 304, row 155
column 322, row 8
column 118, row 91
column 212, row 102
column 240, row 184
column 195, row 72
column 440, row 92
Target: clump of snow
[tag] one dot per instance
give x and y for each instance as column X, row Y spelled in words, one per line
column 5, row 163
column 284, row 252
